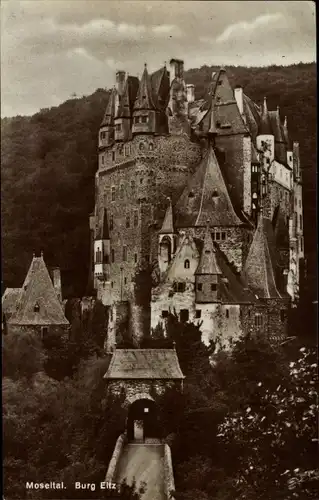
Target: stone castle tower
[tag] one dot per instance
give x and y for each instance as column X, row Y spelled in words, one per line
column 188, row 186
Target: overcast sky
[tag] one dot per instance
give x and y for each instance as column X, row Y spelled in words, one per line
column 53, row 48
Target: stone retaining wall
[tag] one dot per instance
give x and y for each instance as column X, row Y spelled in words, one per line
column 168, row 473
column 112, row 468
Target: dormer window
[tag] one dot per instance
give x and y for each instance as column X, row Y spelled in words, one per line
column 215, row 194
column 36, row 307
column 191, row 195
column 186, row 264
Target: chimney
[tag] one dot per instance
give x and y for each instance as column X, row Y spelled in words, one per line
column 239, row 99
column 176, row 69
column 120, row 82
column 190, row 89
column 56, row 278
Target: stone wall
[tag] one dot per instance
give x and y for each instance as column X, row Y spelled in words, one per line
column 54, row 330
column 169, row 481
column 118, row 449
column 140, row 389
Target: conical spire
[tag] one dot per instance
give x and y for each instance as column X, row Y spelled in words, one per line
column 208, row 263
column 259, row 266
column 110, row 110
column 168, row 223
column 285, row 131
column 265, row 127
column 144, row 96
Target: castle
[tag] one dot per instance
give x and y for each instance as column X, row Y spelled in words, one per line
column 208, row 194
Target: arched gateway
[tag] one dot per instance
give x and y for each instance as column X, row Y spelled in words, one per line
column 143, row 373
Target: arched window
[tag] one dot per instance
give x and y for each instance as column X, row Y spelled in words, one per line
column 98, row 256
column 36, row 307
column 151, row 146
column 186, row 264
column 141, row 146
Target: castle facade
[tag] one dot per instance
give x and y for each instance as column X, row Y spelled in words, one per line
column 207, row 194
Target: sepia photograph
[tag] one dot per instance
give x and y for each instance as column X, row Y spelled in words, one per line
column 159, row 250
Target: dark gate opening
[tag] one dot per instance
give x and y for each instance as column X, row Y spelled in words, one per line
column 142, row 420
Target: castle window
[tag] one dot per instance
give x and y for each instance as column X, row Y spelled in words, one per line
column 98, row 256
column 198, row 313
column 300, row 221
column 112, row 284
column 184, row 315
column 144, row 119
column 141, row 146
column 200, row 287
column 111, row 222
column 213, row 287
column 127, row 222
column 106, row 259
column 219, row 82
column 217, row 236
column 135, row 258
column 299, row 203
column 191, row 195
column 112, row 255
column 301, row 244
column 227, row 313
column 141, row 180
column 164, row 314
column 282, row 315
column 113, row 155
column 151, row 146
column 125, row 281
column 223, row 235
column 124, row 254
column 122, row 191
column 36, row 307
column 133, row 186
column 258, row 320
column 213, row 237
column 135, row 218
column 218, row 123
column 102, row 159
column 44, row 331
column 179, row 287
column 111, row 311
column 215, row 194
column 186, row 264
column 113, row 193
column 268, row 163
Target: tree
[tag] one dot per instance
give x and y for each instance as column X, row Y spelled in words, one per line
column 274, row 442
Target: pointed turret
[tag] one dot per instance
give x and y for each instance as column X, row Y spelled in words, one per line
column 144, row 119
column 206, row 198
column 106, row 133
column 285, row 132
column 259, row 269
column 265, row 128
column 166, row 248
column 208, row 273
column 168, row 223
column 124, row 112
column 208, row 263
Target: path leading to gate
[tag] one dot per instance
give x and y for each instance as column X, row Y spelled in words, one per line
column 145, row 462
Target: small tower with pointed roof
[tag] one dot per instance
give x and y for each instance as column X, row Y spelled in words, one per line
column 106, row 132
column 166, row 246
column 123, row 118
column 208, row 273
column 144, row 112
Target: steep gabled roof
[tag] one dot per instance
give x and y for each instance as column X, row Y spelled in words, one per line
column 38, row 290
column 128, row 97
column 259, row 269
column 233, row 289
column 252, row 114
column 228, row 119
column 265, row 127
column 144, row 364
column 168, row 222
column 110, row 110
column 205, row 198
column 207, row 262
column 144, row 98
column 280, row 143
column 160, row 87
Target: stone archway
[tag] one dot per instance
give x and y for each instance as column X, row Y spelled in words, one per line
column 142, row 420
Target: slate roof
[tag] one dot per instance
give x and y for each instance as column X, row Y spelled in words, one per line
column 261, row 262
column 205, row 198
column 144, row 98
column 160, row 87
column 233, row 287
column 127, row 99
column 10, row 300
column 168, row 222
column 265, row 127
column 110, row 110
column 144, row 364
column 38, row 289
column 103, row 232
column 207, row 262
column 252, row 113
column 277, row 130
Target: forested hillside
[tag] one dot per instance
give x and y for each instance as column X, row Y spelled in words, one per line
column 49, row 161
